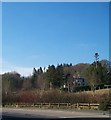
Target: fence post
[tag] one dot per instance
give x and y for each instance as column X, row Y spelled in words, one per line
column 89, row 106
column 58, row 105
column 67, row 105
column 49, row 105
column 41, row 105
column 77, row 105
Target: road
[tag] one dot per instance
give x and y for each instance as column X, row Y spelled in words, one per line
column 48, row 113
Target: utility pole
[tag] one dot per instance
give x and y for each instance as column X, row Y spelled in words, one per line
column 96, row 58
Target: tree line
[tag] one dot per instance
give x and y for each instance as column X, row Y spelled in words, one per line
column 55, row 77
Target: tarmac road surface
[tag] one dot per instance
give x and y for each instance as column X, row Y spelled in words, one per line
column 49, row 113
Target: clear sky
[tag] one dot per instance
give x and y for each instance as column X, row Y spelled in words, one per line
column 41, row 34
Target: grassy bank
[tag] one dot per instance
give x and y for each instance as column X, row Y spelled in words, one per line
column 56, row 96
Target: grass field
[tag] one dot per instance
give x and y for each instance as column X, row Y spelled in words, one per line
column 101, row 91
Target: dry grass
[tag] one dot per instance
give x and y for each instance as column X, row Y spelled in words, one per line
column 57, row 96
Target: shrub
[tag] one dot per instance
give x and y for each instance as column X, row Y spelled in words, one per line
column 104, row 104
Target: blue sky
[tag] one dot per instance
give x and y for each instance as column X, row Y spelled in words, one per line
column 40, row 34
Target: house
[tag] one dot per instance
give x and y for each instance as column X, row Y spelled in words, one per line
column 79, row 82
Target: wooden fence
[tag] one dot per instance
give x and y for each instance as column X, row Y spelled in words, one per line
column 78, row 106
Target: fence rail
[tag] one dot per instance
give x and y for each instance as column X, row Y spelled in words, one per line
column 93, row 106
